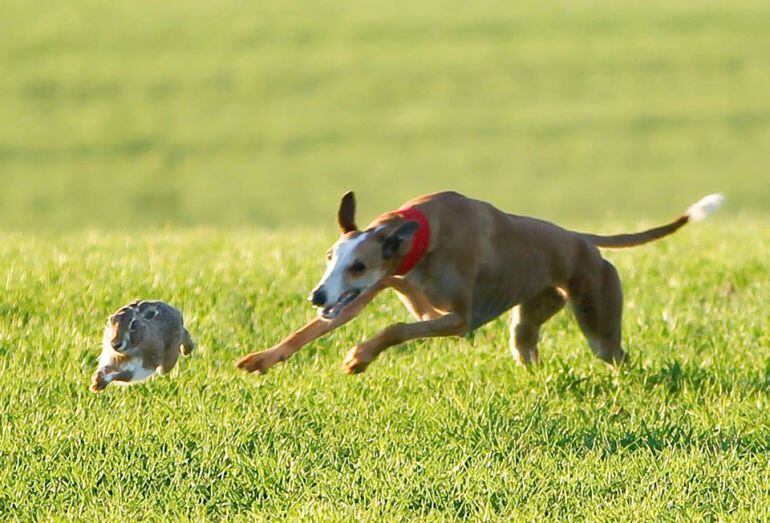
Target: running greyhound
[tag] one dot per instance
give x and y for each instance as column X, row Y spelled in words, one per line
column 457, row 263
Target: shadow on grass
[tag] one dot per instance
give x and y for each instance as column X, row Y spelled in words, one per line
column 672, row 378
column 661, row 437
column 651, row 409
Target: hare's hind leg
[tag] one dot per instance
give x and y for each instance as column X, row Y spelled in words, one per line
column 188, row 345
column 170, row 357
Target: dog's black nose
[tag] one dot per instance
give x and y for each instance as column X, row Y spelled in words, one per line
column 318, row 298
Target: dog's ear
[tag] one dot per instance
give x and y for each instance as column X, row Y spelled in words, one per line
column 393, row 244
column 346, row 215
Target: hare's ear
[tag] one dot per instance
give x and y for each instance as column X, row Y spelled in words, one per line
column 150, row 313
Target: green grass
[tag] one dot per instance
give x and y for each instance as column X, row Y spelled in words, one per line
column 195, row 151
column 435, row 429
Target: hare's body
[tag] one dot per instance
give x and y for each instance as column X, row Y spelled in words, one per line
column 140, row 340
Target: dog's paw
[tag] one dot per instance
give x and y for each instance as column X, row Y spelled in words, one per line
column 258, row 362
column 355, row 361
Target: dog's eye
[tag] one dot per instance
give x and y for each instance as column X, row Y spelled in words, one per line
column 357, row 267
column 133, row 325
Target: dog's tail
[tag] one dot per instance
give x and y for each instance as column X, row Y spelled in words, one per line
column 697, row 212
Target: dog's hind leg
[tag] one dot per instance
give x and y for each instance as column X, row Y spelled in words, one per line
column 526, row 319
column 597, row 301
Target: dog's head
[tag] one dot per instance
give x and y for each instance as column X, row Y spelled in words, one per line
column 359, row 259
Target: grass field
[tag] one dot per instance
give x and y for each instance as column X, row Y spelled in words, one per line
column 439, row 429
column 195, row 152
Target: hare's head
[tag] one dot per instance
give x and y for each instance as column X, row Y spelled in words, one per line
column 128, row 326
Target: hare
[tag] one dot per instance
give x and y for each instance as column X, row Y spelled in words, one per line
column 141, row 339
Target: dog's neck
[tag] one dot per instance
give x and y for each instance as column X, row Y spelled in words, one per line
column 420, row 241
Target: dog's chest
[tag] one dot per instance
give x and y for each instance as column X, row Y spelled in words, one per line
column 490, row 300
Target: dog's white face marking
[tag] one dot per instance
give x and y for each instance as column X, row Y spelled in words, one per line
column 353, row 267
column 343, row 255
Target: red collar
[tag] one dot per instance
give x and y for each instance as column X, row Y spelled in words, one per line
column 420, row 240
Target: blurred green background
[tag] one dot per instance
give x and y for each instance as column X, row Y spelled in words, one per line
column 231, row 113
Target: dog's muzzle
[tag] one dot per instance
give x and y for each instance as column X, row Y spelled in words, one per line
column 318, row 297
column 332, row 311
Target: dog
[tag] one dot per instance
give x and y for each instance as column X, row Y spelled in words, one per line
column 457, row 263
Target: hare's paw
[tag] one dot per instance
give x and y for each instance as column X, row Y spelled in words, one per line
column 98, row 382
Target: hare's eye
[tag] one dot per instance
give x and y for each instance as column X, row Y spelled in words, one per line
column 329, row 256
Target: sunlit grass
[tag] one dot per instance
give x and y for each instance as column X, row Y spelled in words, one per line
column 195, row 151
column 435, row 429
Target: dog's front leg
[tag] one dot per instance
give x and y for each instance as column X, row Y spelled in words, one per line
column 414, row 299
column 363, row 354
column 260, row 362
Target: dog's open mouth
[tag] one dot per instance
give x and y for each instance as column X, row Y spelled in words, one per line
column 332, row 311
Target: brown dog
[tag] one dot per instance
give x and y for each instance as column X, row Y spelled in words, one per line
column 457, row 263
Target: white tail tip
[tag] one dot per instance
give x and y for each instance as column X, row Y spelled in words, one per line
column 703, row 207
